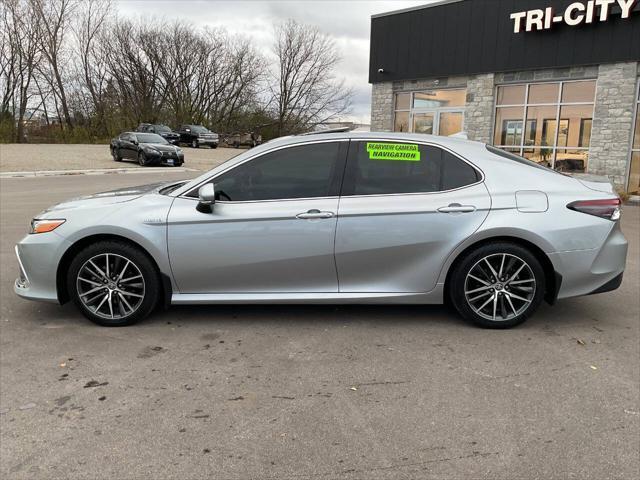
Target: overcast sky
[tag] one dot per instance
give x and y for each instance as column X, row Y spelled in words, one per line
column 347, row 22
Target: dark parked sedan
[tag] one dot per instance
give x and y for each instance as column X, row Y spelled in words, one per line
column 146, row 148
column 162, row 130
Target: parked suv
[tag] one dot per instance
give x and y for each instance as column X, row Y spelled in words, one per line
column 162, row 130
column 197, row 135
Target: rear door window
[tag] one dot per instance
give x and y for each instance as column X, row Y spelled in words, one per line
column 391, row 167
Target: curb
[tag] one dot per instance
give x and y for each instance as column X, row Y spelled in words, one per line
column 96, row 171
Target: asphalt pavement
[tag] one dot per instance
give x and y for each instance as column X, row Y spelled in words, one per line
column 308, row 392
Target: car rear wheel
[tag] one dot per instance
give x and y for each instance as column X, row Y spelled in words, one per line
column 113, row 284
column 142, row 159
column 498, row 285
column 194, row 143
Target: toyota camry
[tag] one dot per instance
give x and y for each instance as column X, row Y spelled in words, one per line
column 335, row 218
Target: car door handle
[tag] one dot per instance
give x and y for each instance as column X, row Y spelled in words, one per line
column 457, row 208
column 311, row 214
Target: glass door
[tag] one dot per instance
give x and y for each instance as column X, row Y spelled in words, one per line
column 424, row 123
column 444, row 123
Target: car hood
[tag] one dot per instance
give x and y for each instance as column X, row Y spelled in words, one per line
column 169, row 134
column 160, row 146
column 111, row 197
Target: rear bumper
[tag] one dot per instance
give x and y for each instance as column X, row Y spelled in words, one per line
column 598, row 270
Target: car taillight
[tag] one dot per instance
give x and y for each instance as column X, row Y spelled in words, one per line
column 609, row 209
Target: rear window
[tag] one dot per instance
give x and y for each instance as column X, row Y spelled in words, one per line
column 517, row 158
column 381, row 168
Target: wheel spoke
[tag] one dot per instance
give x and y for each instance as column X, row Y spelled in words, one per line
column 111, row 303
column 493, row 272
column 481, row 289
column 124, row 280
column 495, row 305
column 482, row 295
column 123, row 270
column 519, row 282
column 90, row 282
column 515, row 312
column 478, row 280
column 124, row 300
column 517, row 272
column 517, row 297
column 98, row 269
column 486, row 303
column 102, row 302
column 88, row 292
column 502, row 266
column 107, row 263
column 130, row 294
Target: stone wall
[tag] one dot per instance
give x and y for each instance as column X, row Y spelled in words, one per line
column 478, row 118
column 382, row 107
column 613, row 120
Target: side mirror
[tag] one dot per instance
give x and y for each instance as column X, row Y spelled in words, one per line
column 207, row 196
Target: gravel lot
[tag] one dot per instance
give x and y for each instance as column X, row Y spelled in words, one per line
column 303, row 392
column 31, row 157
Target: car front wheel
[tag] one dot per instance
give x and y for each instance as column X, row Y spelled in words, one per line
column 113, row 283
column 142, row 159
column 498, row 285
column 116, row 155
column 194, row 143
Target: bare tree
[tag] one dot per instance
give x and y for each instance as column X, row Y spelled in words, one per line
column 55, row 17
column 20, row 56
column 304, row 88
column 89, row 32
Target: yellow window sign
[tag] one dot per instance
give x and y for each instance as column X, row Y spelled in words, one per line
column 393, row 151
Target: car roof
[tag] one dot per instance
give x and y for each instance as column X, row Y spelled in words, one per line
column 460, row 145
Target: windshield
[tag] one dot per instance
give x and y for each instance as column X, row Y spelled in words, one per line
column 162, row 128
column 199, row 129
column 150, row 138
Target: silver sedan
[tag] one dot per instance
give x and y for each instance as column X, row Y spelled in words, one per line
column 335, row 218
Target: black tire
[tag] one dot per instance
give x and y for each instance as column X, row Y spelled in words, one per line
column 116, row 155
column 142, row 159
column 505, row 309
column 117, row 251
column 215, row 145
column 195, row 143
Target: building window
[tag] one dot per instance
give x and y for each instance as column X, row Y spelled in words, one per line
column 432, row 112
column 549, row 123
column 634, row 172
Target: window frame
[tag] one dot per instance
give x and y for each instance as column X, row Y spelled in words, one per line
column 555, row 148
column 633, row 150
column 349, row 169
column 335, row 182
column 436, row 111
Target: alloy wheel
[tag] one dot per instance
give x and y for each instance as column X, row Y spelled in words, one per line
column 110, row 286
column 500, row 287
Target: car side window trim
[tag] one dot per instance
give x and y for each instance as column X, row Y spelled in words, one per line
column 349, row 166
column 335, row 183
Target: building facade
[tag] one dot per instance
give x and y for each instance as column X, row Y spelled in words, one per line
column 554, row 81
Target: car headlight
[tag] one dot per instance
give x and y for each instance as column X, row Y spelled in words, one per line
column 44, row 226
column 178, row 150
column 151, row 150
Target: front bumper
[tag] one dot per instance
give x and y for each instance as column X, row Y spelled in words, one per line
column 38, row 258
column 208, row 141
column 166, row 158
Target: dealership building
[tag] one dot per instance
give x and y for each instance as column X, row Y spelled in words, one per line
column 555, row 81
